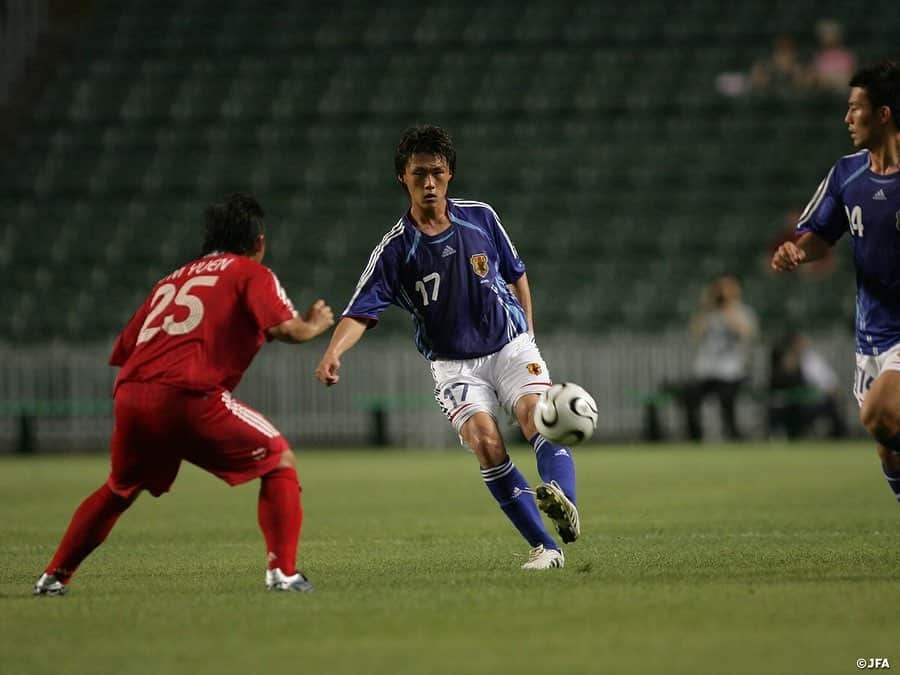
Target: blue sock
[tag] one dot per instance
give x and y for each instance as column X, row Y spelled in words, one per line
column 893, row 443
column 555, row 463
column 511, row 491
column 893, row 478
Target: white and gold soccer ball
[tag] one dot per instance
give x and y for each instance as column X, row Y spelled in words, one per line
column 566, row 414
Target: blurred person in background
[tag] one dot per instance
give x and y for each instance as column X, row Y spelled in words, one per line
column 803, row 389
column 861, row 195
column 782, row 73
column 833, row 63
column 181, row 355
column 452, row 266
column 723, row 328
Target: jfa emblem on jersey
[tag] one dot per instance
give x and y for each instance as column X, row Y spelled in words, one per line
column 479, row 264
column 534, row 368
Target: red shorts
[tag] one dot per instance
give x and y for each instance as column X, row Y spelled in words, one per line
column 157, row 426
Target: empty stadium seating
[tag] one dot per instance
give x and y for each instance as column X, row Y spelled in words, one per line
column 594, row 128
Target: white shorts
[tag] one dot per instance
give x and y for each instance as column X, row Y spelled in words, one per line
column 490, row 383
column 868, row 368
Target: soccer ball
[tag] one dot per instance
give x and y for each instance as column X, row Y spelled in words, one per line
column 565, row 414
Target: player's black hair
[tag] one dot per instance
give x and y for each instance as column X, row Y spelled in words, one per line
column 233, row 225
column 882, row 84
column 427, row 139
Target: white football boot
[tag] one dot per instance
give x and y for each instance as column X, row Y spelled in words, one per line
column 560, row 510
column 48, row 584
column 276, row 580
column 540, row 558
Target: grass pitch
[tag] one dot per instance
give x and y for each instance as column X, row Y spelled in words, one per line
column 693, row 559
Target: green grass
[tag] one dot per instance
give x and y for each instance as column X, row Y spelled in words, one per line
column 714, row 559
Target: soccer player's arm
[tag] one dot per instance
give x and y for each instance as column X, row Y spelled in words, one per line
column 374, row 292
column 523, row 292
column 791, row 254
column 349, row 331
column 316, row 321
column 274, row 312
column 512, row 267
column 822, row 223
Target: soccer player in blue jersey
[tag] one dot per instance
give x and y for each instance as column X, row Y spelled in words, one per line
column 861, row 194
column 452, row 266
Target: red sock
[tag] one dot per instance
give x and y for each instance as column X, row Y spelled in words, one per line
column 280, row 517
column 90, row 525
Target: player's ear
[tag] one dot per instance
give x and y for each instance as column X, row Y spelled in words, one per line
column 259, row 247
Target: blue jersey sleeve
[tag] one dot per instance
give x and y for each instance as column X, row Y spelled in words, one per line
column 825, row 215
column 376, row 288
column 511, row 265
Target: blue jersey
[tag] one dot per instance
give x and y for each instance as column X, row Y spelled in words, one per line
column 853, row 198
column 454, row 284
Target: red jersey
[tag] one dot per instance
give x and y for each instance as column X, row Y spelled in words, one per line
column 201, row 326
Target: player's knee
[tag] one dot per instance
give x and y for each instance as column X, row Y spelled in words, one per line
column 123, row 501
column 287, row 461
column 525, row 404
column 489, row 450
column 525, row 413
column 480, row 433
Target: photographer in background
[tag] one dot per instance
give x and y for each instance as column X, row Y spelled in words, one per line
column 724, row 328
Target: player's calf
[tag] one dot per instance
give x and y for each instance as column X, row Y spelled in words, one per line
column 890, row 465
column 893, row 479
column 880, row 424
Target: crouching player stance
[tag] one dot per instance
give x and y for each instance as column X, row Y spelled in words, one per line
column 861, row 195
column 451, row 265
column 181, row 354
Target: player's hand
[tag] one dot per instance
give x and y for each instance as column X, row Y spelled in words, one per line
column 319, row 316
column 326, row 373
column 788, row 257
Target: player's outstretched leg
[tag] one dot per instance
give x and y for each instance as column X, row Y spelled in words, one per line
column 92, row 522
column 280, row 515
column 556, row 497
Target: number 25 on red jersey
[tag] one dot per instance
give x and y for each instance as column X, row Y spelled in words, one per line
column 167, row 294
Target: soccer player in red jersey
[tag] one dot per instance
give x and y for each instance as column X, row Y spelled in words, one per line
column 181, row 355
